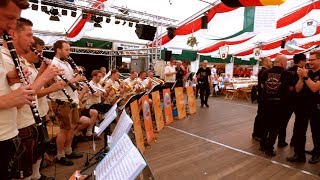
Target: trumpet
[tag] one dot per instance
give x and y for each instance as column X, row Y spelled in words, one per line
column 156, row 81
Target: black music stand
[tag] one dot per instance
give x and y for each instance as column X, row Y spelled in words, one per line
column 130, row 100
column 106, row 123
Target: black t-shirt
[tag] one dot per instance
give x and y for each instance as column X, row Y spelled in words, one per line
column 276, row 82
column 203, row 74
column 259, row 80
column 293, row 70
column 306, row 96
column 179, row 75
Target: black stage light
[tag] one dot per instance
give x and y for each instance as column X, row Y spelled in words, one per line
column 54, row 11
column 44, row 9
column 84, row 16
column 130, row 24
column 54, row 18
column 97, row 25
column 108, row 20
column 64, row 12
column 73, row 13
column 34, row 7
column 117, row 22
column 124, row 22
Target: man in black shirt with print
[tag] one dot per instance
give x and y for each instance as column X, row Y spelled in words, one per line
column 308, row 108
column 276, row 83
column 179, row 75
column 204, row 82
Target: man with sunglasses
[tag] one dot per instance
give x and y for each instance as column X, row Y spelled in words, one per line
column 308, row 103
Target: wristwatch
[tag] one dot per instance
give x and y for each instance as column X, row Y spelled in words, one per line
column 305, row 78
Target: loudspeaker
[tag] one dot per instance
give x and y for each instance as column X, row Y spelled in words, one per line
column 171, row 32
column 145, row 32
column 119, row 58
column 283, row 44
column 167, row 55
column 204, row 22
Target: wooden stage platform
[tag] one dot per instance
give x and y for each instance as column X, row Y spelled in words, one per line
column 214, row 143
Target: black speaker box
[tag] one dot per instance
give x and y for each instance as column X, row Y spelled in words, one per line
column 167, row 55
column 204, row 22
column 171, row 32
column 283, row 44
column 145, row 32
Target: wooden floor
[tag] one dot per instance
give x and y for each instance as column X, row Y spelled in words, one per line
column 214, row 143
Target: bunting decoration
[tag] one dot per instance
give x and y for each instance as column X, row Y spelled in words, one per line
column 195, row 25
column 293, row 17
column 247, row 3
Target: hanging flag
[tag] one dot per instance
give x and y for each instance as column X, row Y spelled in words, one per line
column 257, row 53
column 309, row 28
column 223, row 52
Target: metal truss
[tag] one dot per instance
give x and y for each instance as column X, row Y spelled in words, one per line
column 99, row 8
column 109, row 53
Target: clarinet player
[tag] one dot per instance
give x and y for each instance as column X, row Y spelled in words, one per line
column 26, row 123
column 67, row 117
column 10, row 11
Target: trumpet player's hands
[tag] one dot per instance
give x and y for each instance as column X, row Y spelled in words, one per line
column 13, row 76
column 18, row 98
column 85, row 88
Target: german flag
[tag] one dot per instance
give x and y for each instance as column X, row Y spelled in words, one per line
column 246, row 3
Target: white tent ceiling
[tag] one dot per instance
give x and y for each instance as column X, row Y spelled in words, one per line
column 221, row 25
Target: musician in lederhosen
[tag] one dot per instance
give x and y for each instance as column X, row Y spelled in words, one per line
column 67, row 116
column 22, row 40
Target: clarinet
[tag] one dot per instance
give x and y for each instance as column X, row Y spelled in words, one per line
column 42, row 59
column 72, row 102
column 74, row 66
column 42, row 130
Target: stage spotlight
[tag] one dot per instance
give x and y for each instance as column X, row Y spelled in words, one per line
column 97, row 20
column 130, row 24
column 54, row 18
column 44, row 9
column 124, row 22
column 117, row 22
column 73, row 13
column 108, row 20
column 64, row 12
column 97, row 25
column 84, row 16
column 34, row 7
column 54, row 11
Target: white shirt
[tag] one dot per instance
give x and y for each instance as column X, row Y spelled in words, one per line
column 24, row 116
column 170, row 78
column 68, row 73
column 213, row 71
column 92, row 99
column 131, row 83
column 8, row 120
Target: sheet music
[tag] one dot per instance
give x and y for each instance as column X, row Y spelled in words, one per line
column 123, row 126
column 108, row 118
column 124, row 161
column 129, row 166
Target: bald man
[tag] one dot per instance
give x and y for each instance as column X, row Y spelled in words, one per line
column 276, row 83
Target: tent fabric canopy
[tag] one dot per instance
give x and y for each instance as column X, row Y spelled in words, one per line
column 223, row 22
